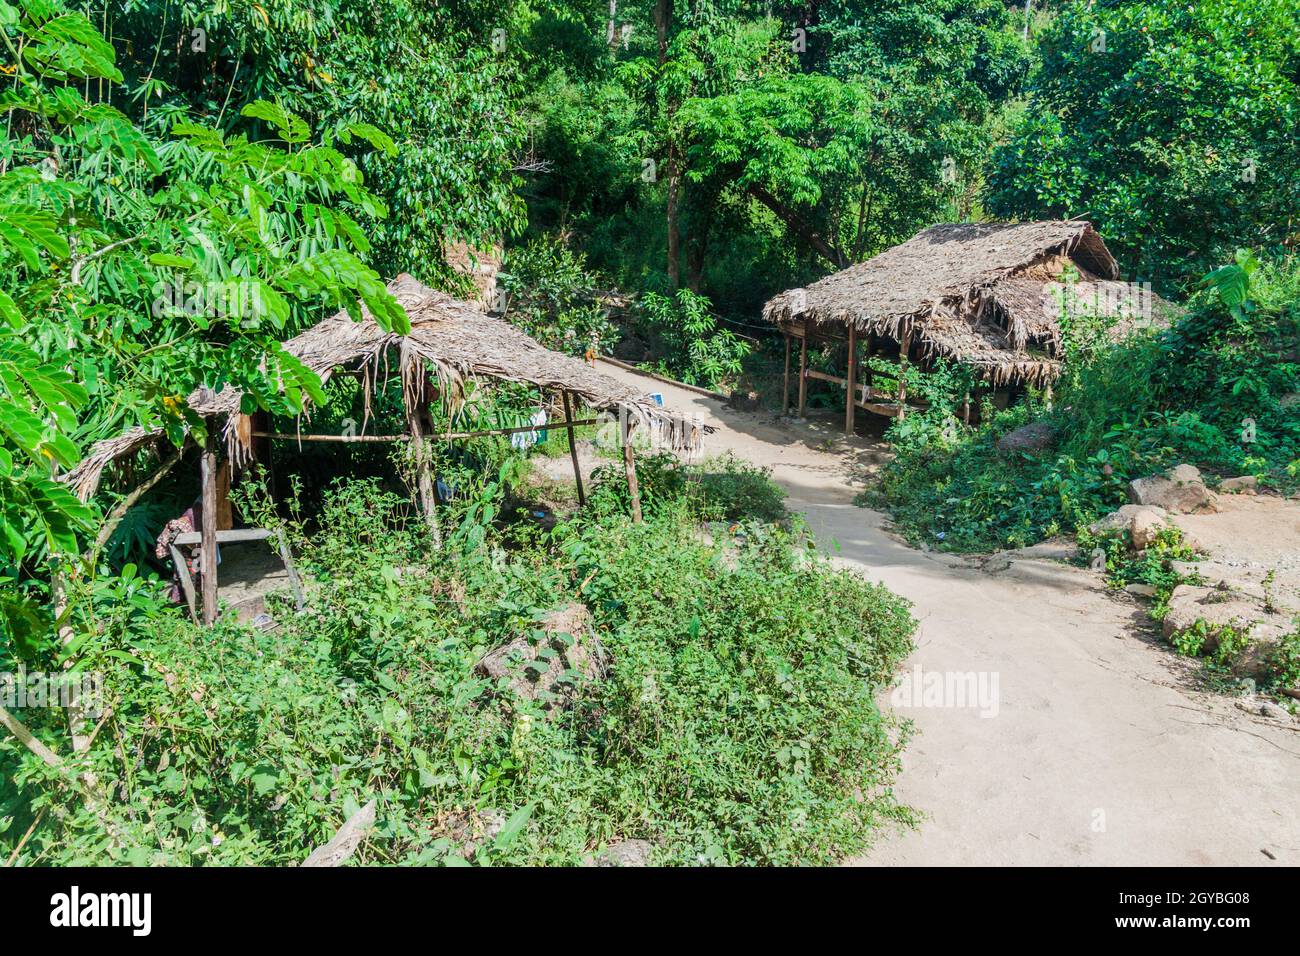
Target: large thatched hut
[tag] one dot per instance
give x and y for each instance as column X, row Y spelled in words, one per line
column 451, row 342
column 987, row 295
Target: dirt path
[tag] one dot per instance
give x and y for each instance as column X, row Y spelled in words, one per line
column 1100, row 751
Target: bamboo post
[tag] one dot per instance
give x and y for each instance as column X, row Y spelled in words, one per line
column 423, row 472
column 850, row 403
column 629, row 466
column 785, row 388
column 803, row 371
column 904, row 348
column 208, row 543
column 573, row 448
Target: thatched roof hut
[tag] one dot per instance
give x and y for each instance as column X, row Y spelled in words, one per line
column 452, row 340
column 983, row 294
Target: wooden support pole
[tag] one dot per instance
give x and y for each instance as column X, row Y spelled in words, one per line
column 965, row 408
column 573, row 448
column 851, row 399
column 803, row 371
column 208, row 552
column 187, row 582
column 295, row 583
column 629, row 466
column 785, row 387
column 424, row 473
column 446, row 436
column 904, row 348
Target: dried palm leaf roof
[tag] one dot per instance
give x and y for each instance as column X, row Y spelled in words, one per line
column 451, row 339
column 973, row 292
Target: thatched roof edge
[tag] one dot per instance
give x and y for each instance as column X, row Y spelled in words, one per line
column 454, row 340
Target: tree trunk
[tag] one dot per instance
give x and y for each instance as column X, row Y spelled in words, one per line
column 674, row 229
column 663, row 20
column 800, row 227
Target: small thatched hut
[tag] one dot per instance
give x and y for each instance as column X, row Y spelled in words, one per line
column 987, row 295
column 450, row 342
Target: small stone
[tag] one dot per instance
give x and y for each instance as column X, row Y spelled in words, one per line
column 1140, row 590
column 1276, row 712
column 1145, row 525
column 1244, row 485
column 626, row 853
column 1121, row 519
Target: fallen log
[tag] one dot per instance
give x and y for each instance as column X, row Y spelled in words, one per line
column 340, row 849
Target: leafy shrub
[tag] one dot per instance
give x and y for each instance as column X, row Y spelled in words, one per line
column 1124, row 566
column 1284, row 662
column 1208, row 391
column 686, row 336
column 738, row 723
column 550, row 294
column 723, row 488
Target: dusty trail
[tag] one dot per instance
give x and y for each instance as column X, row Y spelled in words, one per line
column 1100, row 751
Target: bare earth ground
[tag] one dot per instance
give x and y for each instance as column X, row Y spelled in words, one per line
column 1102, row 750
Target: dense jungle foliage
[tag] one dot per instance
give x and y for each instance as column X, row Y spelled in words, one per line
column 184, row 185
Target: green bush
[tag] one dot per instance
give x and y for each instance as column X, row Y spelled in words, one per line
column 1210, row 391
column 722, row 488
column 738, row 722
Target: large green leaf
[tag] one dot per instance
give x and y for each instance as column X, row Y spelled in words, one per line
column 68, row 47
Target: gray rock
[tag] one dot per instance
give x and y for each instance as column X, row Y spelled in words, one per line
column 1121, row 519
column 1246, row 484
column 1140, row 590
column 1146, row 525
column 627, row 853
column 540, row 668
column 1031, row 438
column 1179, row 490
column 1269, row 709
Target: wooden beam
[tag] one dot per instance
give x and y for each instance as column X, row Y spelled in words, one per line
column 208, row 541
column 345, row 439
column 225, row 513
column 852, row 376
column 187, row 582
column 573, row 448
column 446, row 436
column 233, row 536
column 295, row 583
column 813, row 373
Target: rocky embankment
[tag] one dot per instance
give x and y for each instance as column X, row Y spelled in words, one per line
column 1245, row 585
